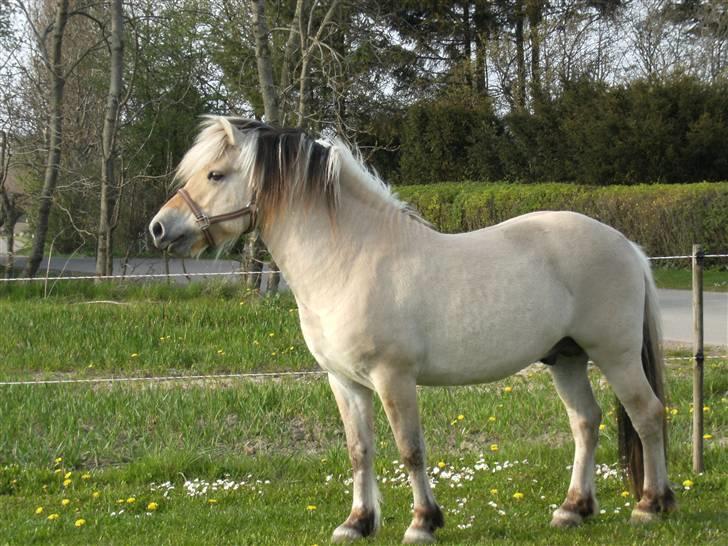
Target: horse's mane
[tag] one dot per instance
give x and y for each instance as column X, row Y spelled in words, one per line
column 285, row 163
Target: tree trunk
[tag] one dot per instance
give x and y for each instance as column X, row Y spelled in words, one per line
column 56, row 132
column 534, row 9
column 104, row 264
column 254, row 249
column 520, row 94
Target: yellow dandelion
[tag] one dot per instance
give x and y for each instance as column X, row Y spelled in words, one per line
column 220, row 352
column 673, row 411
column 494, row 491
column 86, row 476
column 211, row 501
column 53, row 517
column 68, row 475
column 90, row 366
column 57, row 471
column 152, row 506
column 492, row 419
column 508, row 389
column 271, row 334
column 59, row 460
column 707, row 436
column 625, row 494
column 518, row 495
column 441, row 464
column 494, row 447
column 461, row 417
column 39, row 510
column 311, row 507
column 130, row 500
column 80, row 522
column 120, row 501
column 65, row 502
column 688, row 483
column 134, row 355
column 602, row 427
column 96, row 494
column 67, row 482
column 706, row 409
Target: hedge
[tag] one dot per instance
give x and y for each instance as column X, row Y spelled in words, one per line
column 665, row 219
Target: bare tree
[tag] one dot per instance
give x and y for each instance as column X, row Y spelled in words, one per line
column 10, row 210
column 54, row 63
column 104, row 261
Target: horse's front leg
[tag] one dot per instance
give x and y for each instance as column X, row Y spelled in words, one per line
column 399, row 398
column 355, row 406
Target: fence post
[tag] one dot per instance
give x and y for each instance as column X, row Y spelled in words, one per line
column 697, row 259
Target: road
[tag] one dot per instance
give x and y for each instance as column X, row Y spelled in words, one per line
column 676, row 305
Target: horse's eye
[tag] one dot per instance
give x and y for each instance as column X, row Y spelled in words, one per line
column 215, row 175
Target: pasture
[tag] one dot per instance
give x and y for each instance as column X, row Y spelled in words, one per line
column 264, row 461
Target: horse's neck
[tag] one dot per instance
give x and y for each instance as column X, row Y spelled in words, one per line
column 319, row 257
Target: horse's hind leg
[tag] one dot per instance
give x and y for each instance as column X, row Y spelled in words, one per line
column 572, row 384
column 399, row 398
column 646, row 412
column 355, row 406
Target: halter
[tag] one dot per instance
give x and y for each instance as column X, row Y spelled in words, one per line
column 204, row 221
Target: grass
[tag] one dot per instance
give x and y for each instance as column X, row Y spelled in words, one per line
column 714, row 279
column 264, row 462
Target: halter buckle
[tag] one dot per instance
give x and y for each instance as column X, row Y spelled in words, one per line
column 203, row 221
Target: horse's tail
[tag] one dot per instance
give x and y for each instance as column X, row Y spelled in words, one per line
column 630, row 446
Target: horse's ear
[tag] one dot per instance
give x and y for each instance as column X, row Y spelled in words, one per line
column 229, row 131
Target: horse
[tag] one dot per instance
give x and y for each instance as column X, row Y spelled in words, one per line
column 387, row 303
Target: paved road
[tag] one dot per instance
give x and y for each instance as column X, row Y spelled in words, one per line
column 676, row 305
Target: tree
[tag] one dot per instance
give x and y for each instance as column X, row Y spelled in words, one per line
column 108, row 149
column 53, row 61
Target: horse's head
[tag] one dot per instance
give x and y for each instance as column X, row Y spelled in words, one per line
column 216, row 202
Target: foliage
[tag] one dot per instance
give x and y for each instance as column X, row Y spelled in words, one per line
column 666, row 219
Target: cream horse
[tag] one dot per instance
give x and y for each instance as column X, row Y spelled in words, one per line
column 387, row 303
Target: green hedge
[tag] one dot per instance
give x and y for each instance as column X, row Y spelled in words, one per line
column 665, row 219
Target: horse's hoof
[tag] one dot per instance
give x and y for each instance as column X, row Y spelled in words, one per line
column 642, row 517
column 417, row 535
column 345, row 534
column 564, row 519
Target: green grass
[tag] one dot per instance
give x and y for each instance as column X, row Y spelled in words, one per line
column 281, row 441
column 714, row 279
column 284, row 441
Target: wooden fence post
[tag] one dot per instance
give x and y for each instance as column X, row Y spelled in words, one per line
column 698, row 258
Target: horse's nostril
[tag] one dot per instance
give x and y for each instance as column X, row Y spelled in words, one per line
column 157, row 230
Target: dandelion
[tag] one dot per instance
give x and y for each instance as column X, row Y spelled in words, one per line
column 271, row 334
column 80, row 522
column 65, row 502
column 39, row 510
column 491, row 419
column 130, row 500
column 59, row 460
column 57, row 471
column 602, row 427
column 687, row 484
column 494, row 447
column 673, row 411
column 120, row 501
column 211, row 501
column 461, row 417
column 68, row 475
column 507, row 389
column 518, row 495
column 134, row 355
column 220, row 352
column 441, row 464
column 625, row 494
column 86, row 476
column 707, row 436
column 311, row 507
column 494, row 491
column 67, row 482
column 53, row 517
column 96, row 494
column 152, row 506
column 706, row 409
